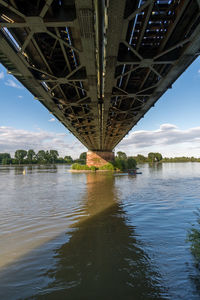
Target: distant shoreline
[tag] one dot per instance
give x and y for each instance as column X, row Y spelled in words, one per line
column 139, row 163
column 91, row 171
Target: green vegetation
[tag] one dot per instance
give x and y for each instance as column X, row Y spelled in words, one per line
column 83, row 157
column 41, row 157
column 141, row 159
column 93, row 168
column 194, row 238
column 151, row 158
column 81, row 160
column 108, row 167
column 68, row 159
column 121, row 163
column 20, row 155
column 121, row 155
column 181, row 159
column 77, row 166
column 30, row 157
column 47, row 156
column 5, row 158
column 154, row 157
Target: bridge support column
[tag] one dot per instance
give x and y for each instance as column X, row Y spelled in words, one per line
column 99, row 158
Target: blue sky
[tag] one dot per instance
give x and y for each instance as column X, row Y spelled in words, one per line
column 172, row 127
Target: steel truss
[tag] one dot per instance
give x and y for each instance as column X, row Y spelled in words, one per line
column 98, row 66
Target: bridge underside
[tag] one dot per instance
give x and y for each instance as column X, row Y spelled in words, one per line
column 98, row 66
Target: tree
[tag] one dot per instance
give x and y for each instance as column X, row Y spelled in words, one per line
column 53, row 155
column 122, row 162
column 154, row 157
column 131, row 163
column 41, row 156
column 30, row 155
column 68, row 159
column 125, row 164
column 151, row 157
column 158, row 156
column 20, row 155
column 141, row 158
column 121, row 155
column 5, row 158
column 119, row 164
column 83, row 156
column 48, row 157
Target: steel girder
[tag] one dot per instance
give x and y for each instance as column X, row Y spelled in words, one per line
column 98, row 65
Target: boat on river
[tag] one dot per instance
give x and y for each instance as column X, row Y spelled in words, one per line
column 133, row 172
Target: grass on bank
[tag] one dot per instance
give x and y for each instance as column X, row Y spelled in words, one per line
column 193, row 237
column 108, row 167
column 118, row 165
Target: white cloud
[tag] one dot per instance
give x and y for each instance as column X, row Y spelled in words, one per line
column 12, row 139
column 52, row 120
column 2, row 75
column 168, row 139
column 167, row 127
column 20, row 97
column 199, row 71
column 13, row 84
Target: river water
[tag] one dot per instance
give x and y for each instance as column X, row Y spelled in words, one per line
column 98, row 236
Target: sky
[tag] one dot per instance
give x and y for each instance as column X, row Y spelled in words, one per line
column 171, row 127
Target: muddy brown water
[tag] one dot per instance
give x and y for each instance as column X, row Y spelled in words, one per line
column 98, row 236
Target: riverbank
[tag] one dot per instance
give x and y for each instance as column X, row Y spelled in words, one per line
column 91, row 171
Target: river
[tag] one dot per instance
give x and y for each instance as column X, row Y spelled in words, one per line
column 82, row 236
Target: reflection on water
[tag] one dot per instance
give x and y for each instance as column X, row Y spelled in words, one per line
column 102, row 259
column 48, row 168
column 19, row 169
column 5, row 169
column 88, row 236
column 155, row 167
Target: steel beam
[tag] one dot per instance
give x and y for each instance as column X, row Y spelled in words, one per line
column 102, row 71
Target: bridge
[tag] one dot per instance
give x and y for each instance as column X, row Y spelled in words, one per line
column 98, row 65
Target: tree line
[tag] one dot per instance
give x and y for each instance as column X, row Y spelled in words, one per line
column 31, row 157
column 154, row 157
column 52, row 156
column 41, row 157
